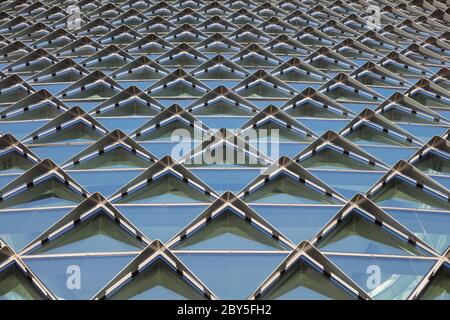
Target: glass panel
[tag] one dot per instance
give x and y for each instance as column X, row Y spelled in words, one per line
column 424, row 132
column 157, row 282
column 282, row 133
column 367, row 135
column 297, row 222
column 229, row 232
column 330, row 159
column 7, row 178
column 396, row 115
column 19, row 228
column 429, row 99
column 66, row 75
column 256, row 61
column 304, row 282
column 46, row 194
column 231, row 275
column 97, row 234
column 328, row 64
column 44, row 111
column 57, row 273
column 106, row 62
column 161, row 149
column 401, row 70
column 167, row 189
column 347, row 94
column 384, row 278
column 132, row 108
column 222, row 180
column 311, row 110
column 119, row 157
column 56, row 152
column 348, row 183
column 218, row 74
column 13, row 162
column 166, row 132
column 439, row 287
column 263, row 91
column 96, row 91
column 221, row 121
column 126, row 124
column 161, row 222
column 390, row 155
column 140, row 73
column 181, row 61
column 221, row 108
column 21, row 129
column 14, row 285
column 299, row 76
column 431, row 227
column 78, row 132
column 224, row 155
column 400, row 194
column 13, row 95
column 433, row 164
column 104, row 181
column 357, row 234
column 179, row 90
column 284, row 189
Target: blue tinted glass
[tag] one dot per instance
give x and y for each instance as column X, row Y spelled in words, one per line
column 231, row 275
column 161, row 222
column 223, row 122
column 445, row 181
column 227, row 231
column 86, row 105
column 320, row 126
column 348, row 183
column 106, row 182
column 52, row 88
column 297, row 222
column 439, row 286
column 401, row 194
column 56, row 153
column 390, row 155
column 126, row 124
column 157, row 281
column 424, row 132
column 96, row 234
column 304, row 281
column 16, row 285
column 429, row 226
column 174, row 149
column 20, row 129
column 221, row 180
column 60, row 274
column 357, row 234
column 19, row 228
column 5, row 179
column 384, row 278
column 140, row 84
column 47, row 193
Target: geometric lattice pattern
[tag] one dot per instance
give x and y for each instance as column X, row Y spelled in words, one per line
column 343, row 193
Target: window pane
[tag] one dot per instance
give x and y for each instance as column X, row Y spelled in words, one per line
column 384, row 278
column 231, row 275
column 94, row 273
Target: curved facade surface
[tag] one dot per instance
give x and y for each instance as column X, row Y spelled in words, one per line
column 197, row 149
